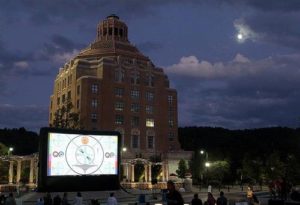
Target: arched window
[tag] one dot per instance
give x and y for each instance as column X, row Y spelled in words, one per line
column 135, row 77
column 119, row 75
column 135, row 139
column 149, row 81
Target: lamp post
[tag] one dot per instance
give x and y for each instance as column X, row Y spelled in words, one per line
column 9, row 151
column 207, row 165
column 202, row 152
column 123, row 150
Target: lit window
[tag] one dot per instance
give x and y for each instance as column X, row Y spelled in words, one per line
column 171, row 136
column 149, row 96
column 171, row 123
column 170, row 99
column 119, row 106
column 69, row 95
column 94, row 103
column 135, row 141
column 94, row 117
column 94, row 88
column 150, row 142
column 135, row 107
column 149, row 122
column 135, row 94
column 119, row 92
column 119, row 120
column 149, row 109
column 135, row 121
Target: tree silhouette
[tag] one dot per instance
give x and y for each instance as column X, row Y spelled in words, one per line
column 182, row 169
column 65, row 117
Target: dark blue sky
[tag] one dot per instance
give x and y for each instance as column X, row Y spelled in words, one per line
column 221, row 81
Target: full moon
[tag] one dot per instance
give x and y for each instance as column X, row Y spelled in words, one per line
column 240, row 36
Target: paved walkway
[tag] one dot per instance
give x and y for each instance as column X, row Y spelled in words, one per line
column 131, row 196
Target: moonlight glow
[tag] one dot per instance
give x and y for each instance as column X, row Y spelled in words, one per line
column 240, row 36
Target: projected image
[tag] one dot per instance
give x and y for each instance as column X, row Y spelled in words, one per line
column 73, row 154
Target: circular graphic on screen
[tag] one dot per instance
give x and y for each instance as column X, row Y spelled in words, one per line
column 84, row 154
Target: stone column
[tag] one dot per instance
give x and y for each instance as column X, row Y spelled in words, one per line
column 127, row 171
column 11, row 172
column 31, row 171
column 150, row 177
column 132, row 173
column 36, row 171
column 19, row 165
column 163, row 172
column 167, row 171
column 146, row 172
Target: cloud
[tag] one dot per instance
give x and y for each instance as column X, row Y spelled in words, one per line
column 21, row 64
column 245, row 30
column 274, row 5
column 241, row 93
column 64, row 57
column 31, row 117
column 271, row 21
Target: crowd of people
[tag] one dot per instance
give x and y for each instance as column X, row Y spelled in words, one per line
column 174, row 197
column 279, row 189
column 78, row 200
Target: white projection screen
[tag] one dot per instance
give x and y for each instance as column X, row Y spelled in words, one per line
column 76, row 154
column 78, row 158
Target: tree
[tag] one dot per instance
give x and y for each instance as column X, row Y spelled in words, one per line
column 3, row 149
column 65, row 117
column 139, row 171
column 155, row 168
column 3, row 164
column 252, row 169
column 182, row 169
column 218, row 170
column 196, row 166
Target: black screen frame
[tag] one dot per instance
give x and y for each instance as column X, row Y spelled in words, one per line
column 74, row 183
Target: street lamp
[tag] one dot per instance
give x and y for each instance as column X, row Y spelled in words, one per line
column 207, row 165
column 206, row 158
column 124, row 149
column 10, row 150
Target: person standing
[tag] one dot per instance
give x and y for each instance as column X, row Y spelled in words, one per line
column 173, row 196
column 210, row 199
column 78, row 199
column 112, row 199
column 222, row 200
column 64, row 200
column 48, row 199
column 57, row 200
column 196, row 200
column 40, row 201
column 250, row 195
column 10, row 200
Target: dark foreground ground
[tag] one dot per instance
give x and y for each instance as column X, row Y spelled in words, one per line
column 131, row 196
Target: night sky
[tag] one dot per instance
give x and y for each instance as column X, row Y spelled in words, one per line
column 234, row 63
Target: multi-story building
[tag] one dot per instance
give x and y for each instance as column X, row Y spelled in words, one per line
column 113, row 86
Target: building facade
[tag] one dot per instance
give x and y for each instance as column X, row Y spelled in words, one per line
column 111, row 85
